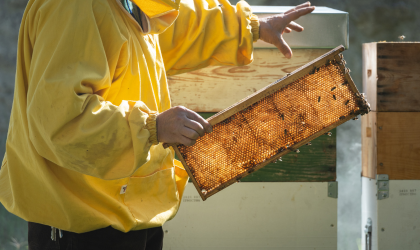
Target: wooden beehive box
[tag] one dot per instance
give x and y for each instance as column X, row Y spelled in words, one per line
column 390, row 133
column 391, row 146
column 287, row 202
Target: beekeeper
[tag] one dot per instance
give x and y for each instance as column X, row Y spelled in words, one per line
column 84, row 161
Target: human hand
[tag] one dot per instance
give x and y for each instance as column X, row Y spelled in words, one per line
column 273, row 27
column 180, row 125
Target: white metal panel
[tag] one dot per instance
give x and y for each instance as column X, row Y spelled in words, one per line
column 256, row 215
column 369, row 210
column 395, row 220
column 399, row 216
column 324, row 28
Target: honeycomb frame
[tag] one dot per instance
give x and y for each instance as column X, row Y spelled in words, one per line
column 332, row 60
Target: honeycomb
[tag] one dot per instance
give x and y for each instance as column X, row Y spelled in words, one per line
column 273, row 126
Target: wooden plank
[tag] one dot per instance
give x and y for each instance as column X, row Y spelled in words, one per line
column 391, row 76
column 369, row 145
column 214, row 88
column 315, row 163
column 399, row 145
column 398, row 77
column 369, row 73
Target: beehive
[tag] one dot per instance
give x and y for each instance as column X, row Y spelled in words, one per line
column 272, row 122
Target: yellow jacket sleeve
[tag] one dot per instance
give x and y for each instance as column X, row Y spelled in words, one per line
column 70, row 123
column 209, row 32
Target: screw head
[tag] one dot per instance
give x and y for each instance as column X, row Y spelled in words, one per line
column 380, row 127
column 381, row 164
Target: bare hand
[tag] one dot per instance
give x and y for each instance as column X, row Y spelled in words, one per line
column 180, row 125
column 273, row 27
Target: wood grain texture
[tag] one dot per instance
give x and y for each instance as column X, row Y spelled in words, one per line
column 398, row 143
column 398, row 77
column 315, row 163
column 369, row 155
column 391, row 76
column 214, row 88
column 369, row 73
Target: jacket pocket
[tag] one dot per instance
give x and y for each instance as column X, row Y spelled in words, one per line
column 152, row 199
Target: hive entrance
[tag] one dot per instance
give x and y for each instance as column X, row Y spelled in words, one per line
column 273, row 122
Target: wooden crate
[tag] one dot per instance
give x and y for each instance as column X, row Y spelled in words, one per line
column 390, row 137
column 391, row 145
column 391, row 76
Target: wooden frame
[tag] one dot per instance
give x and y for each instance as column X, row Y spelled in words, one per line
column 270, row 89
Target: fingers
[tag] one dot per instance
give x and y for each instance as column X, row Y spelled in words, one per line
column 284, row 48
column 196, row 117
column 300, row 6
column 186, row 141
column 296, row 13
column 189, row 133
column 195, row 126
column 294, row 26
column 287, row 30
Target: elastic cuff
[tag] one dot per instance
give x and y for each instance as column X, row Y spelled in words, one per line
column 255, row 27
column 151, row 126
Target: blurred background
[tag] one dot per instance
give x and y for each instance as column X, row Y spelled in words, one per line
column 370, row 21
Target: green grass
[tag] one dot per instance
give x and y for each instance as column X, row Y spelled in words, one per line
column 13, row 231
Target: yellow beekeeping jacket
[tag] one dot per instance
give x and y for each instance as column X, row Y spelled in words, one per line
column 80, row 152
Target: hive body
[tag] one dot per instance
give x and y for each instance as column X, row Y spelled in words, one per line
column 273, row 122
